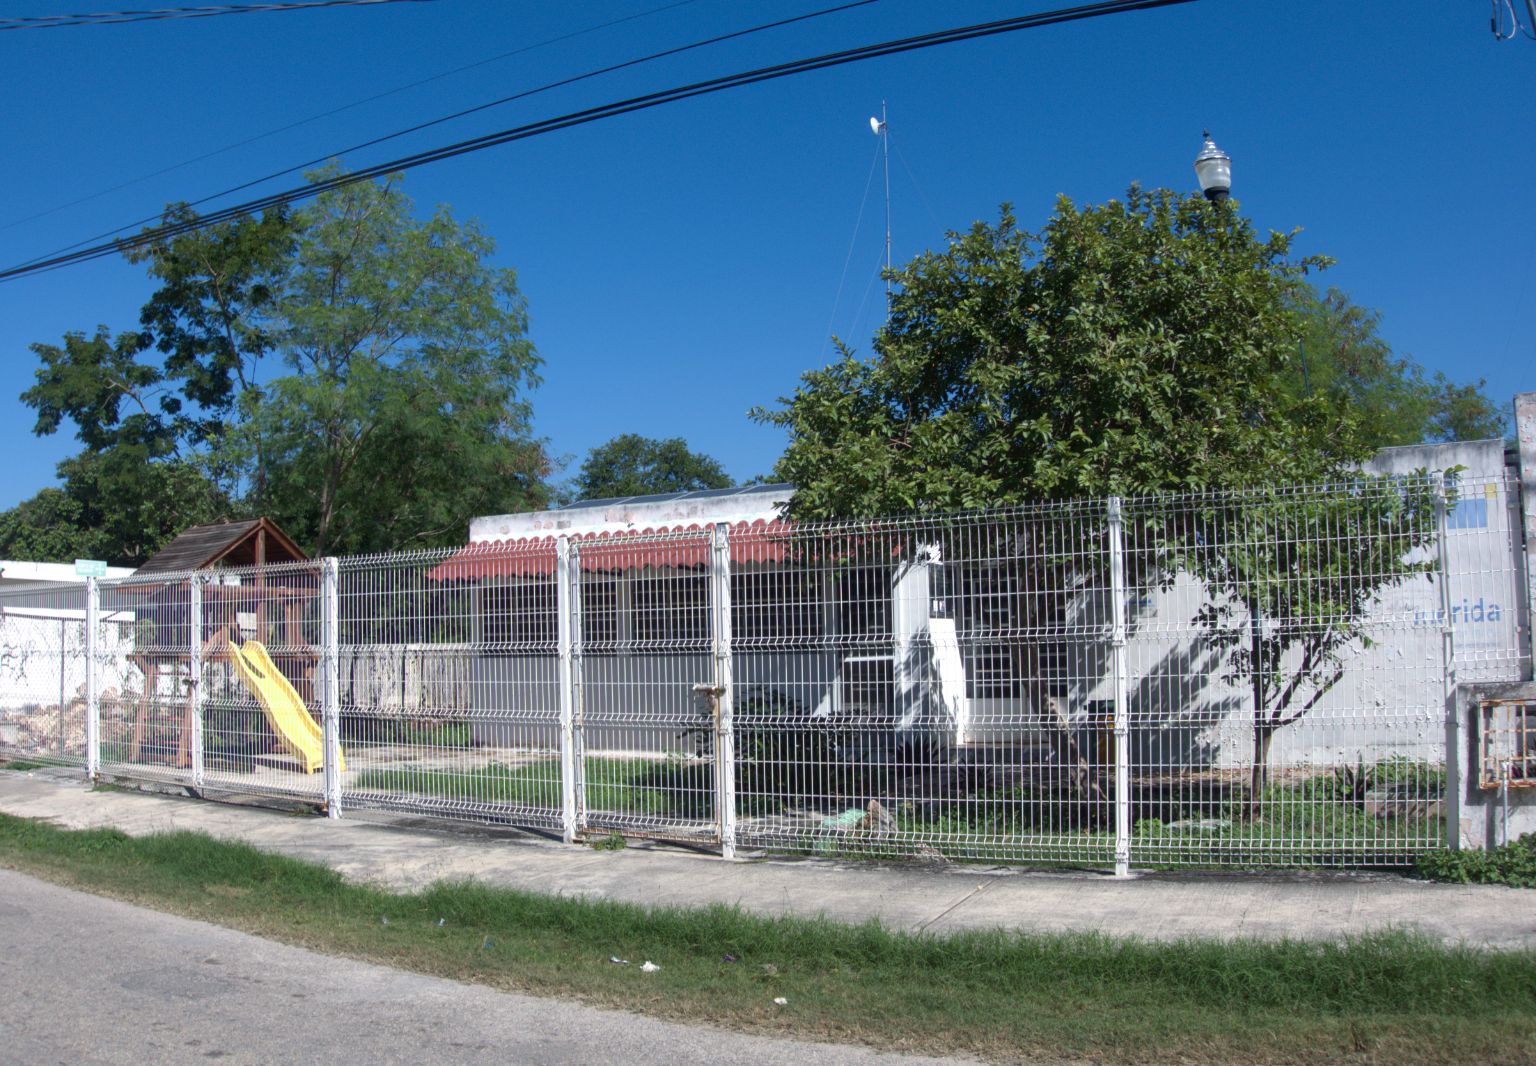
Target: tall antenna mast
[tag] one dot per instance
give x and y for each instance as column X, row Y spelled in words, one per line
column 884, row 133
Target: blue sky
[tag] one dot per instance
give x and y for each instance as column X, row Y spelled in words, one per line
column 686, row 263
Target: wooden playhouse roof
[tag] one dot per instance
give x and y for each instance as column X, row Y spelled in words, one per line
column 225, row 543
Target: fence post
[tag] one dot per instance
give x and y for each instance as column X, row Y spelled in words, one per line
column 1122, row 695
column 195, row 681
column 1525, row 433
column 330, row 683
column 565, row 618
column 92, row 681
column 1455, row 747
column 720, row 651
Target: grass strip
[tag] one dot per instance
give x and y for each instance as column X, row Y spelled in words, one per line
column 1006, row 996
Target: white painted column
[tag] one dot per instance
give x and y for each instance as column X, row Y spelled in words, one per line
column 1525, row 432
column 910, row 601
column 330, row 684
column 195, row 682
column 567, row 607
column 1122, row 694
column 1455, row 726
column 724, row 683
column 92, row 680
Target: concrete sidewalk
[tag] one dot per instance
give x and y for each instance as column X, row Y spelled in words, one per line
column 402, row 855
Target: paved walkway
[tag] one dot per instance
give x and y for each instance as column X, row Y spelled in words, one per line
column 132, row 987
column 403, row 855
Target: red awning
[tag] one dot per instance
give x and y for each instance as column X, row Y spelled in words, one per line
column 676, row 547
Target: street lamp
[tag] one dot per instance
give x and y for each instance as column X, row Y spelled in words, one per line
column 1214, row 169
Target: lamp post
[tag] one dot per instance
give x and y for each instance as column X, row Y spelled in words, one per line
column 1214, row 169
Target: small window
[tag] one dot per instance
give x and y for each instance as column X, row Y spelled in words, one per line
column 599, row 612
column 866, row 687
column 520, row 616
column 774, row 605
column 1508, row 744
column 990, row 675
column 671, row 609
column 987, row 600
column 863, row 601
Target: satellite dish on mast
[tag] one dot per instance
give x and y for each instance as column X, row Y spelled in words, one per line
column 875, row 125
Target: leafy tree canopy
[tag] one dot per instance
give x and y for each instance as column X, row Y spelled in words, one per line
column 632, row 465
column 1343, row 356
column 1151, row 343
column 1147, row 345
column 1134, row 346
column 354, row 372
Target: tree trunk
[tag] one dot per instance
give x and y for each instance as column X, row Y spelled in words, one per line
column 1263, row 731
column 1263, row 734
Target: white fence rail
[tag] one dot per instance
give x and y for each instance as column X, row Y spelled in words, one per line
column 1241, row 679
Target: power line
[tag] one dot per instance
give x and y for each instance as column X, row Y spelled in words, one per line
column 162, row 14
column 338, row 110
column 319, row 160
column 611, row 110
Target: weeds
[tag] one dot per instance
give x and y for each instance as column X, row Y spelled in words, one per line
column 1511, row 864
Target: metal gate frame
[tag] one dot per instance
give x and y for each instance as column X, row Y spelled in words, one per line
column 651, row 792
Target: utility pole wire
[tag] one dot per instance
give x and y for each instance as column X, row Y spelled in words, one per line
column 163, row 14
column 338, row 110
column 593, row 114
column 319, row 160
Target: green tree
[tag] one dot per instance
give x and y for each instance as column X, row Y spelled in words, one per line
column 355, row 373
column 632, row 465
column 132, row 487
column 1146, row 345
column 1342, row 355
column 1293, row 575
column 48, row 528
column 402, row 413
column 1133, row 347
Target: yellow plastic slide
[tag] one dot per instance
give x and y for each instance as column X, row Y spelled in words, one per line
column 285, row 712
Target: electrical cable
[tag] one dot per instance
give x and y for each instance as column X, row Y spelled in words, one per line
column 933, row 216
column 593, row 114
column 853, row 240
column 345, row 107
column 1496, row 21
column 163, row 14
column 319, row 160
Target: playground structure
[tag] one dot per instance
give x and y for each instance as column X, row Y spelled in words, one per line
column 225, row 642
column 201, row 629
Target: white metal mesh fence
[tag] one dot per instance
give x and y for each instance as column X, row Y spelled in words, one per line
column 1240, row 679
column 43, row 675
column 448, row 684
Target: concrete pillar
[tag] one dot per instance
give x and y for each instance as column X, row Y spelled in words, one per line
column 910, row 602
column 1525, row 431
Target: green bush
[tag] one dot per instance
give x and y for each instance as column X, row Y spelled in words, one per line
column 1509, row 864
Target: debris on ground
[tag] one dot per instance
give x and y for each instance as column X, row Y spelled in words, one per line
column 927, row 853
column 648, row 967
column 876, row 819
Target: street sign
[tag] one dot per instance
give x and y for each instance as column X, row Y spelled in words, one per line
column 91, row 567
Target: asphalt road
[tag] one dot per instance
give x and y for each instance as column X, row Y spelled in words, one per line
column 90, row 980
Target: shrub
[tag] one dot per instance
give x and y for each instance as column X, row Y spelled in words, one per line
column 1508, row 864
